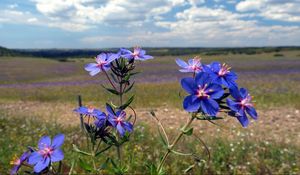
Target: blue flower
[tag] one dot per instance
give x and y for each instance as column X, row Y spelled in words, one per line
column 103, row 61
column 118, row 121
column 202, row 94
column 221, row 74
column 18, row 162
column 90, row 111
column 241, row 104
column 193, row 65
column 47, row 152
column 137, row 54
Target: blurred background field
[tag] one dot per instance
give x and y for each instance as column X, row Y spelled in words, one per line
column 38, row 94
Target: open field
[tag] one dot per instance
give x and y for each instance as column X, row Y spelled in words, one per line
column 35, row 91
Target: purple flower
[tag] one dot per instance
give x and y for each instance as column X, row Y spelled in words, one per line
column 137, row 54
column 202, row 94
column 17, row 162
column 103, row 61
column 89, row 111
column 47, row 152
column 193, row 65
column 221, row 74
column 118, row 121
column 100, row 120
column 241, row 104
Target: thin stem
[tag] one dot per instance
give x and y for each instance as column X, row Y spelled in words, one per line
column 109, row 79
column 174, row 143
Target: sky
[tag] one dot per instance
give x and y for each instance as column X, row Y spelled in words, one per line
column 148, row 23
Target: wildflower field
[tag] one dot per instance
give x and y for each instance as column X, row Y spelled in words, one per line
column 38, row 96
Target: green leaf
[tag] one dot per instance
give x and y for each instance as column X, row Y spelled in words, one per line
column 124, row 106
column 101, row 151
column 188, row 132
column 129, row 88
column 75, row 148
column 85, row 166
column 133, row 73
column 111, row 90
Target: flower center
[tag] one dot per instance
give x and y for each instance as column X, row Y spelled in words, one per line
column 202, row 92
column 225, row 69
column 119, row 119
column 101, row 63
column 47, row 151
column 246, row 101
column 90, row 110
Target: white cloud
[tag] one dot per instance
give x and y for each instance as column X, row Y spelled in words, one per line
column 281, row 10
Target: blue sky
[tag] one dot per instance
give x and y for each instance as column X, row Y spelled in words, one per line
column 151, row 23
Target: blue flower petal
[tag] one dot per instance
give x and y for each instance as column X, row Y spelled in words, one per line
column 57, row 155
column 145, row 57
column 181, row 63
column 34, row 158
column 215, row 66
column 215, row 91
column 243, row 92
column 252, row 112
column 101, row 57
column 233, row 105
column 235, row 93
column 90, row 66
column 202, row 78
column 58, row 140
column 120, row 129
column 95, row 71
column 210, row 107
column 128, row 126
column 41, row 165
column 110, row 110
column 243, row 120
column 112, row 57
column 191, row 105
column 45, row 141
column 188, row 84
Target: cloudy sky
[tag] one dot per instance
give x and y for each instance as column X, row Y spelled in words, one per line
column 152, row 23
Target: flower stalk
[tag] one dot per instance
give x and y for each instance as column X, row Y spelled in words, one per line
column 170, row 147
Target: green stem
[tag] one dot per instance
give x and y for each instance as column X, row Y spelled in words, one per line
column 170, row 148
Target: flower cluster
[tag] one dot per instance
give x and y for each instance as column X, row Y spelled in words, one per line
column 207, row 90
column 102, row 120
column 104, row 60
column 41, row 158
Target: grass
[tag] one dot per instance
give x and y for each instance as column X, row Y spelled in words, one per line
column 269, row 94
column 238, row 156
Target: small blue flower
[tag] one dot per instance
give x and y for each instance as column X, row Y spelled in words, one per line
column 118, row 121
column 202, row 94
column 193, row 65
column 241, row 105
column 47, row 152
column 18, row 162
column 221, row 74
column 103, row 61
column 90, row 111
column 137, row 54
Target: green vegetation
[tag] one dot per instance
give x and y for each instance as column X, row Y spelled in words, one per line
column 238, row 156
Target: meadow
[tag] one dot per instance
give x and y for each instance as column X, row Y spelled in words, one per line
column 38, row 95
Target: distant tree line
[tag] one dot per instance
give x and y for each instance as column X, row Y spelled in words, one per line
column 162, row 51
